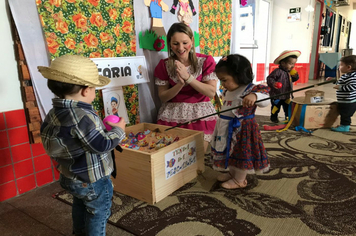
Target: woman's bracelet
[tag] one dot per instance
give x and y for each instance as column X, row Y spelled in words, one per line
column 189, row 80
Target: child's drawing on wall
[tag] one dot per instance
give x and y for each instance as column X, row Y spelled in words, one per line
column 156, row 8
column 114, row 103
column 186, row 10
column 114, row 106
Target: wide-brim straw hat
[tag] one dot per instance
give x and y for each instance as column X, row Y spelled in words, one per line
column 74, row 69
column 285, row 54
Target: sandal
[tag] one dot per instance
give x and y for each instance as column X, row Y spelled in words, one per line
column 224, row 177
column 234, row 184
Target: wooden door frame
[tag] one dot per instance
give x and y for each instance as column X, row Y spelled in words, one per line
column 316, row 65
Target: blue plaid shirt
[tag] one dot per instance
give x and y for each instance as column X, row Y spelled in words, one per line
column 74, row 136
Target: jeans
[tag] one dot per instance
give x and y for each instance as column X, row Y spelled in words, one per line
column 91, row 205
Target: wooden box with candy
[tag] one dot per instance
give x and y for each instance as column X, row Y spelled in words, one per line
column 154, row 162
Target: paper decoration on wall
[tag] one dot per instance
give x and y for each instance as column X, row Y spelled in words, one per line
column 329, row 3
column 92, row 28
column 215, row 36
column 156, row 8
column 114, row 103
column 159, row 44
column 186, row 10
column 152, row 42
column 123, row 71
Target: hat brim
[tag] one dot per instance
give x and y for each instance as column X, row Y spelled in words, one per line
column 60, row 76
column 286, row 54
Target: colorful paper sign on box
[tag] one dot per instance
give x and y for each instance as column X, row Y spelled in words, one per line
column 179, row 159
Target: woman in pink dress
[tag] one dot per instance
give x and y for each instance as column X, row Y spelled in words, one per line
column 186, row 82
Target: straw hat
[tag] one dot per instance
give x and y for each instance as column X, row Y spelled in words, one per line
column 285, row 54
column 74, row 69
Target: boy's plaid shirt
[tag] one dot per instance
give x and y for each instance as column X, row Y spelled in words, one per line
column 74, row 136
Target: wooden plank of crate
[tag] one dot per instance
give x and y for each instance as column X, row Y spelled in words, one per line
column 134, row 175
column 163, row 186
column 142, row 174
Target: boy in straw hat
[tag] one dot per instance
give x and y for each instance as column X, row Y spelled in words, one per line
column 74, row 136
column 280, row 81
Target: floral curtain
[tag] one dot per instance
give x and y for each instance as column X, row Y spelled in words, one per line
column 215, row 20
column 92, row 28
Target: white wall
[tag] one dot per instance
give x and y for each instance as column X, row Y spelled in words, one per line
column 291, row 35
column 10, row 93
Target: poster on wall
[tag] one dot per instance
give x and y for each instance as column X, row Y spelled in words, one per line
column 294, row 14
column 114, row 103
column 179, row 159
column 162, row 14
column 122, row 70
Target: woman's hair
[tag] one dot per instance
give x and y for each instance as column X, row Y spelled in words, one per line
column 287, row 58
column 61, row 89
column 237, row 66
column 180, row 28
column 349, row 61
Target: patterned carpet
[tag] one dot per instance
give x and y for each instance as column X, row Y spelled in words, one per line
column 310, row 190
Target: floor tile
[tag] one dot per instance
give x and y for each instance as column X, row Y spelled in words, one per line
column 15, row 222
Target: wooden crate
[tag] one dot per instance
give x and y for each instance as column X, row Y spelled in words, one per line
column 143, row 175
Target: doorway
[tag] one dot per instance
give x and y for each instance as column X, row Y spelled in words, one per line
column 338, row 34
column 255, row 21
column 314, row 55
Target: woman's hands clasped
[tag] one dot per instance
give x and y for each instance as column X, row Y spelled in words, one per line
column 182, row 72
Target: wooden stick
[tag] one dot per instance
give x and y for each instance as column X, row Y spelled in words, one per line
column 261, row 100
